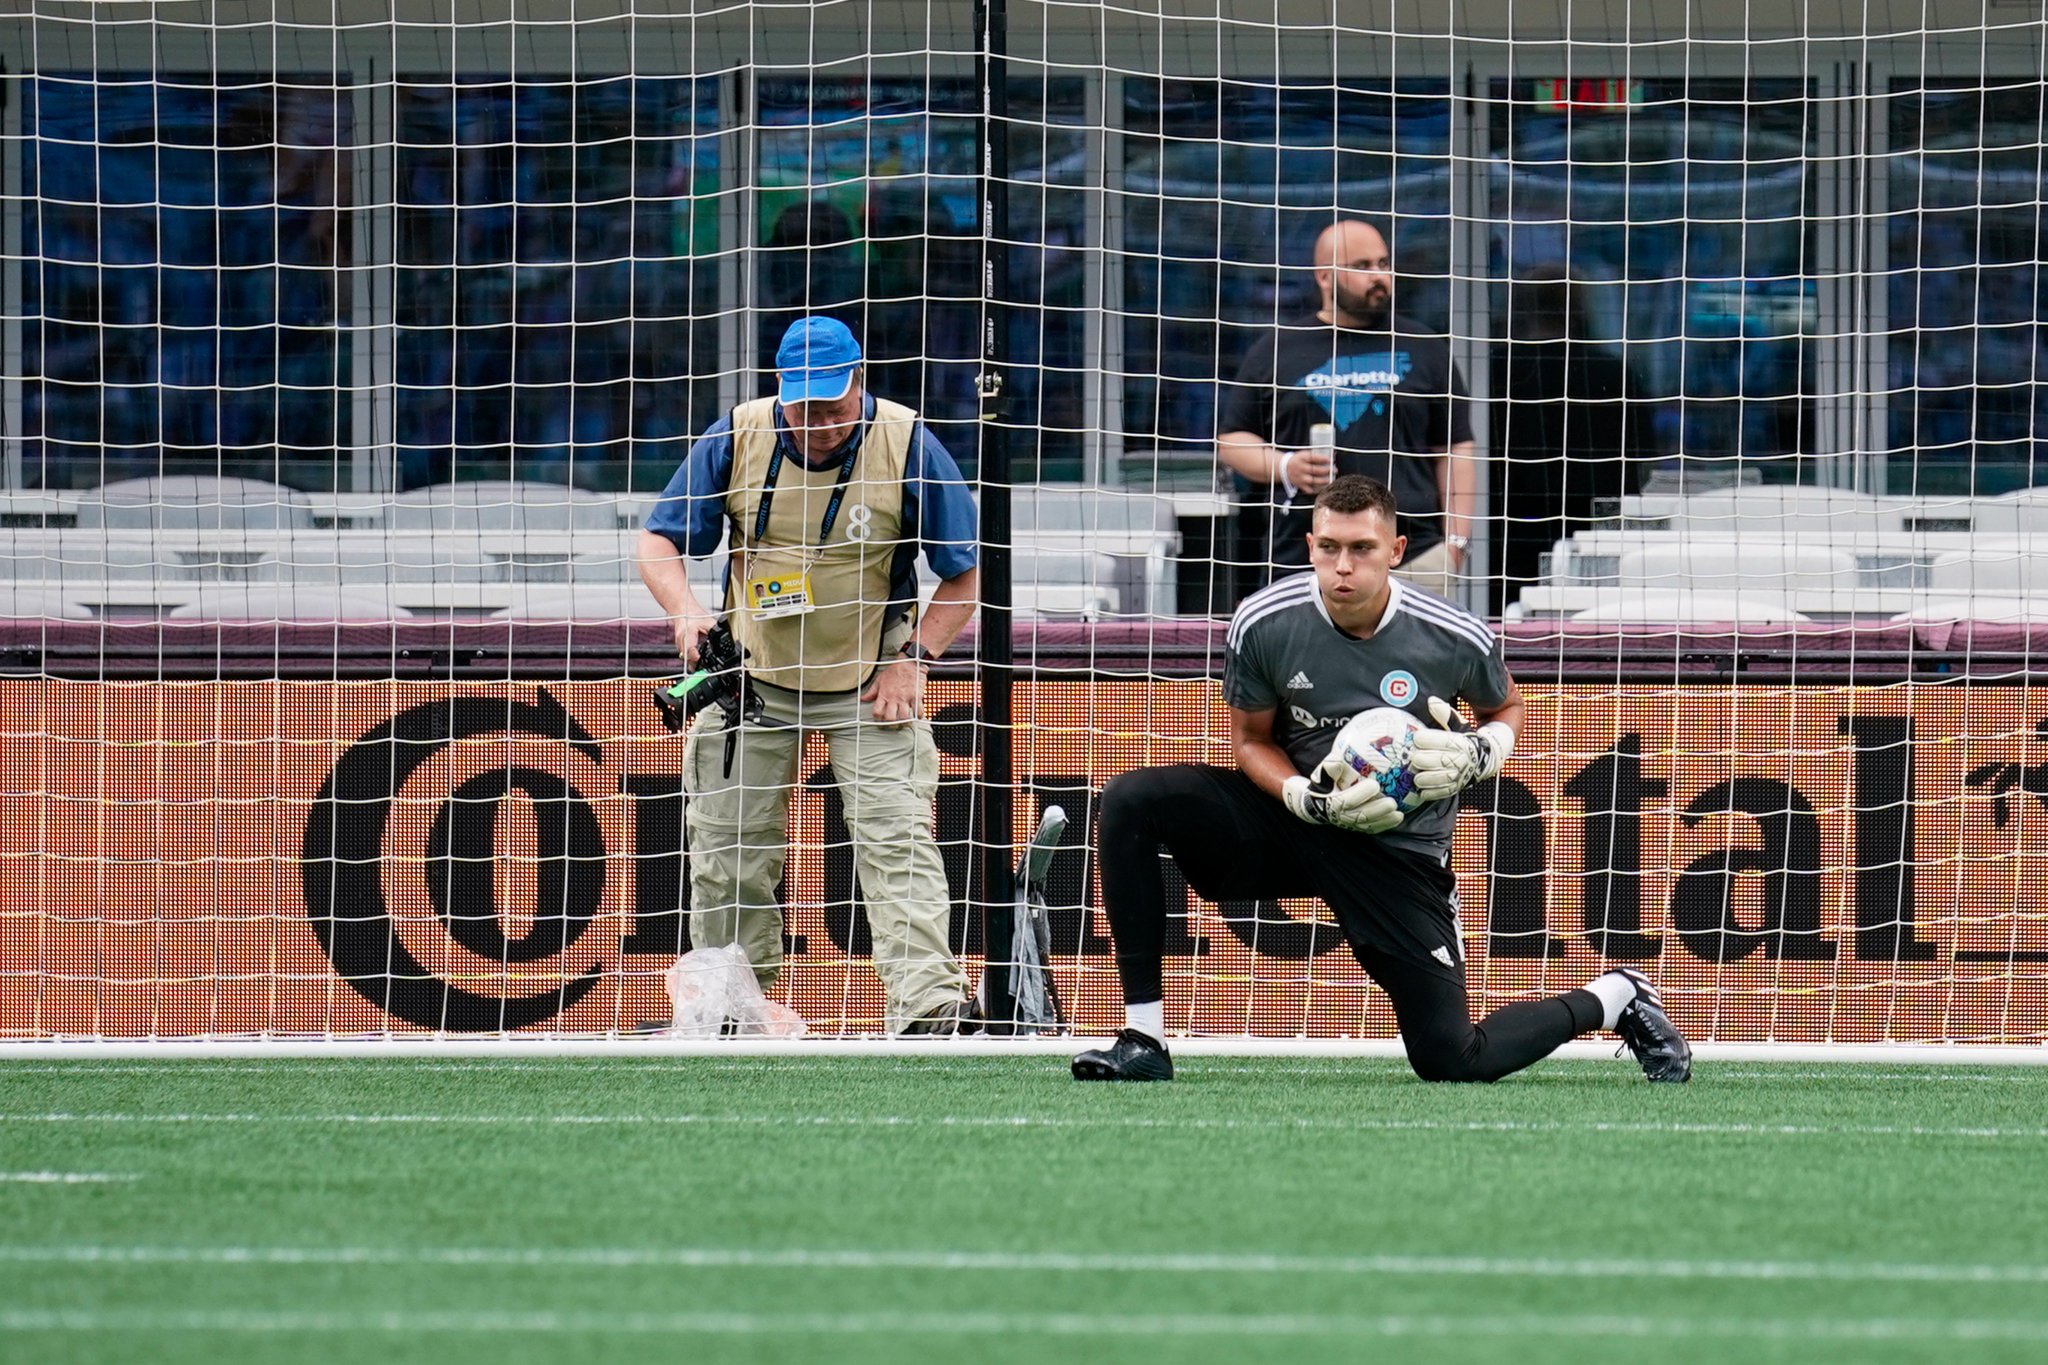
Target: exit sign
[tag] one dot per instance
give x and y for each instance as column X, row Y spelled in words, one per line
column 1561, row 94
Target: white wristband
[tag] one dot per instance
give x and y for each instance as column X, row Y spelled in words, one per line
column 1500, row 737
column 1280, row 472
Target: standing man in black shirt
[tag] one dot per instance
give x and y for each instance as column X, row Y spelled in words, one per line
column 1396, row 402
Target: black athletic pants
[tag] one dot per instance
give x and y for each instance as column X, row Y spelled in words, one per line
column 1234, row 842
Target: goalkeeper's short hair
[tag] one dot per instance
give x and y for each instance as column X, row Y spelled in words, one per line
column 1350, row 493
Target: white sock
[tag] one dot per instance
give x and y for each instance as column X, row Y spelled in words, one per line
column 1616, row 992
column 1148, row 1019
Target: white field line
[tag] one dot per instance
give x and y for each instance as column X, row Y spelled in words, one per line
column 1617, row 1269
column 63, row 1178
column 598, row 1045
column 1578, row 1326
column 1333, row 1068
column 1020, row 1122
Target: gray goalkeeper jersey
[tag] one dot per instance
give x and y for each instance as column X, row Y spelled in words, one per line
column 1285, row 655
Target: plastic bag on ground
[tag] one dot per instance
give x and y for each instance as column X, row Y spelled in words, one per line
column 715, row 994
column 765, row 1018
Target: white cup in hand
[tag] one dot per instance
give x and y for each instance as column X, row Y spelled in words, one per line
column 1311, row 470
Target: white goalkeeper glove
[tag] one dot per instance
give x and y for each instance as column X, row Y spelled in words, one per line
column 1449, row 760
column 1361, row 807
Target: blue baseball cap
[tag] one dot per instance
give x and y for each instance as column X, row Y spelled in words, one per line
column 816, row 360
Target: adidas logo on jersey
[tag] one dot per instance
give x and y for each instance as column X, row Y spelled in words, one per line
column 1300, row 683
column 1443, row 955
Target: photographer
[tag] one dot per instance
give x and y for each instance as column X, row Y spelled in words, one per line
column 829, row 494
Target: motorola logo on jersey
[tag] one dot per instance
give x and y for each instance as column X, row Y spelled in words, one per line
column 1308, row 720
column 1399, row 687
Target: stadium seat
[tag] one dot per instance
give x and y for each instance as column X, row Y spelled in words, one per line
column 371, row 557
column 1077, row 601
column 1074, row 507
column 40, row 558
column 498, row 507
column 1634, row 604
column 1684, row 565
column 194, row 503
column 1804, row 513
column 1780, row 500
column 34, row 601
column 1991, row 569
column 304, row 602
column 1814, row 580
column 2002, row 610
column 2022, row 514
column 587, row 602
column 1138, row 532
column 1065, row 582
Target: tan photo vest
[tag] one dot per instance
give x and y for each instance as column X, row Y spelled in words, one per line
column 834, row 646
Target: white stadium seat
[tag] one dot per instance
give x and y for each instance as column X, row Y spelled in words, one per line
column 588, row 602
column 1065, row 583
column 1634, row 604
column 503, row 506
column 1792, row 512
column 1137, row 531
column 1684, row 565
column 1995, row 569
column 35, row 601
column 299, row 602
column 1998, row 610
column 194, row 503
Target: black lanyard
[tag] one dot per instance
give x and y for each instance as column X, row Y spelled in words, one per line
column 853, row 444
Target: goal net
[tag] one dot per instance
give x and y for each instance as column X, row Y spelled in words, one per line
column 350, row 350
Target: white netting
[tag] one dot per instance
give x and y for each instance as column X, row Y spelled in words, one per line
column 349, row 347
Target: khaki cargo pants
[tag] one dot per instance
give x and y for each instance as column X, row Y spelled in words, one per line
column 739, row 840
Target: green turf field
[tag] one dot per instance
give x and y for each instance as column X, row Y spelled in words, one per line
column 972, row 1210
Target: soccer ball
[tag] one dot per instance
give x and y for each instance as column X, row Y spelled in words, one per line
column 1376, row 746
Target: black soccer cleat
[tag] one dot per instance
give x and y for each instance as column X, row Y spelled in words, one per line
column 1131, row 1057
column 1647, row 1031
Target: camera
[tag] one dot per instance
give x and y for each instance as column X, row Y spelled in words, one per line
column 720, row 680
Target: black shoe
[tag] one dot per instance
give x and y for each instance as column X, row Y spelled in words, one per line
column 1647, row 1031
column 654, row 1027
column 1132, row 1057
column 950, row 1020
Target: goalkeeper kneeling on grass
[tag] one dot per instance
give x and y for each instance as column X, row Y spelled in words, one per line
column 1302, row 658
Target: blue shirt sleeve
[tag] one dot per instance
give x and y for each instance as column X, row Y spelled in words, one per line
column 690, row 512
column 937, row 501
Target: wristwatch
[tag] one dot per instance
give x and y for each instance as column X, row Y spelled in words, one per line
column 911, row 649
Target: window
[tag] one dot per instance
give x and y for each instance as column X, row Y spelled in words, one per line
column 868, row 213
column 1967, row 294
column 556, row 293
column 1226, row 186
column 185, row 305
column 1049, row 329
column 1681, row 212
